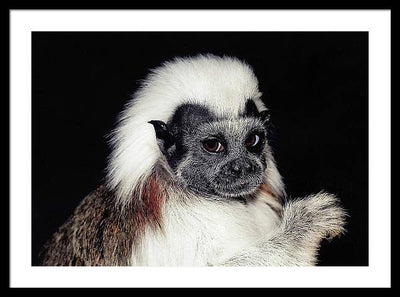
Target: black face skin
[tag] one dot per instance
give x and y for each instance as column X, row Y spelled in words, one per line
column 215, row 156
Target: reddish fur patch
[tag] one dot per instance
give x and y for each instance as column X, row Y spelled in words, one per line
column 153, row 200
column 271, row 199
column 265, row 189
column 149, row 209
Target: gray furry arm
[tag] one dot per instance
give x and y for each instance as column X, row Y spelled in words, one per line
column 305, row 222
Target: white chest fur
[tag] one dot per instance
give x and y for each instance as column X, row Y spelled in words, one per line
column 204, row 233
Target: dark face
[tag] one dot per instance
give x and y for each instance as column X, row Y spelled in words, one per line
column 215, row 156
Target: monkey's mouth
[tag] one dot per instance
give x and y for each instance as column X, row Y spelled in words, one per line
column 237, row 189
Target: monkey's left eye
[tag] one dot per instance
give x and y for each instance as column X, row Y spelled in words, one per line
column 252, row 140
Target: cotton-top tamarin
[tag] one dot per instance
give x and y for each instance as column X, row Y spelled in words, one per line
column 191, row 181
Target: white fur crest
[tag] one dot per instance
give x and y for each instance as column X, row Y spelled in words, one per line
column 222, row 83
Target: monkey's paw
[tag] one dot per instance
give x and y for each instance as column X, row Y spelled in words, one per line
column 319, row 215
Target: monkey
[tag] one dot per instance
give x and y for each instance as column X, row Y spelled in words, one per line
column 191, row 180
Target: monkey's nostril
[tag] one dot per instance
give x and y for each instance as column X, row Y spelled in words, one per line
column 236, row 168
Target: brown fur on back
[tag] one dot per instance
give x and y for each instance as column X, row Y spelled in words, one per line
column 100, row 233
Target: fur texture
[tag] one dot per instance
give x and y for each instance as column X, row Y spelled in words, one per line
column 144, row 215
column 222, row 84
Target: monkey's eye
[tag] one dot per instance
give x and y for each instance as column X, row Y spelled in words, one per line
column 213, row 146
column 252, row 140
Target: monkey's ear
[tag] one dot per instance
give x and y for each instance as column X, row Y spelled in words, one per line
column 163, row 134
column 251, row 109
column 265, row 116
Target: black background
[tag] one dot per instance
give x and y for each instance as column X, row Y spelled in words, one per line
column 316, row 85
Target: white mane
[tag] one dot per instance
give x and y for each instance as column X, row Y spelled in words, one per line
column 223, row 83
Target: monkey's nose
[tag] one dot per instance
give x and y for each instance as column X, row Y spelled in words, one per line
column 239, row 167
column 236, row 169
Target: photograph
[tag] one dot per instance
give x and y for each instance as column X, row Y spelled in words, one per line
column 200, row 148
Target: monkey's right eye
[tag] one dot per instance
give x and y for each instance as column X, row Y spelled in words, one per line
column 213, row 146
